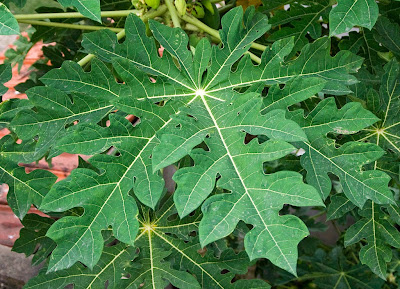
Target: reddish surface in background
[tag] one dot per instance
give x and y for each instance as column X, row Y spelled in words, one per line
column 61, row 165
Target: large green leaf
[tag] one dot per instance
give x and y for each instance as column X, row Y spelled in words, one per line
column 8, row 23
column 350, row 13
column 184, row 100
column 165, row 253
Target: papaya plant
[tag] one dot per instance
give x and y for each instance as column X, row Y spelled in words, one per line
column 278, row 120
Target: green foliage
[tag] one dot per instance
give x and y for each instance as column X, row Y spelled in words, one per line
column 268, row 125
column 349, row 13
column 8, row 24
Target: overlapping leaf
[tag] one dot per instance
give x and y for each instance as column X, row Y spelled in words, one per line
column 8, row 23
column 380, row 233
column 387, row 33
column 350, row 13
column 89, row 8
column 386, row 105
column 322, row 157
column 54, row 111
column 169, row 255
column 24, row 189
column 5, row 75
column 301, row 20
column 109, row 270
column 334, row 271
column 32, row 238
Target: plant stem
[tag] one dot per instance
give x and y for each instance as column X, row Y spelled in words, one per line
column 68, row 26
column 317, row 215
column 173, row 12
column 213, row 32
column 38, row 16
column 152, row 14
column 226, row 8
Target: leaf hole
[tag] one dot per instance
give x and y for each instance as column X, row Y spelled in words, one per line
column 224, row 271
column 173, row 217
column 248, row 138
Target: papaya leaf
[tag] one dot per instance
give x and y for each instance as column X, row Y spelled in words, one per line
column 303, row 19
column 183, row 100
column 8, row 23
column 386, row 132
column 333, row 270
column 379, row 232
column 350, row 13
column 24, row 189
column 33, row 240
column 5, row 75
column 89, row 8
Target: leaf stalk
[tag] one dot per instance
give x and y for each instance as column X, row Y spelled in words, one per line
column 151, row 14
column 194, row 21
column 40, row 16
column 173, row 12
column 69, row 26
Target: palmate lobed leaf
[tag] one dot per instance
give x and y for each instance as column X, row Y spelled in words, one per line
column 334, row 270
column 196, row 100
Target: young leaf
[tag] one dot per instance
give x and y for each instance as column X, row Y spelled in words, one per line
column 350, row 13
column 8, row 23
